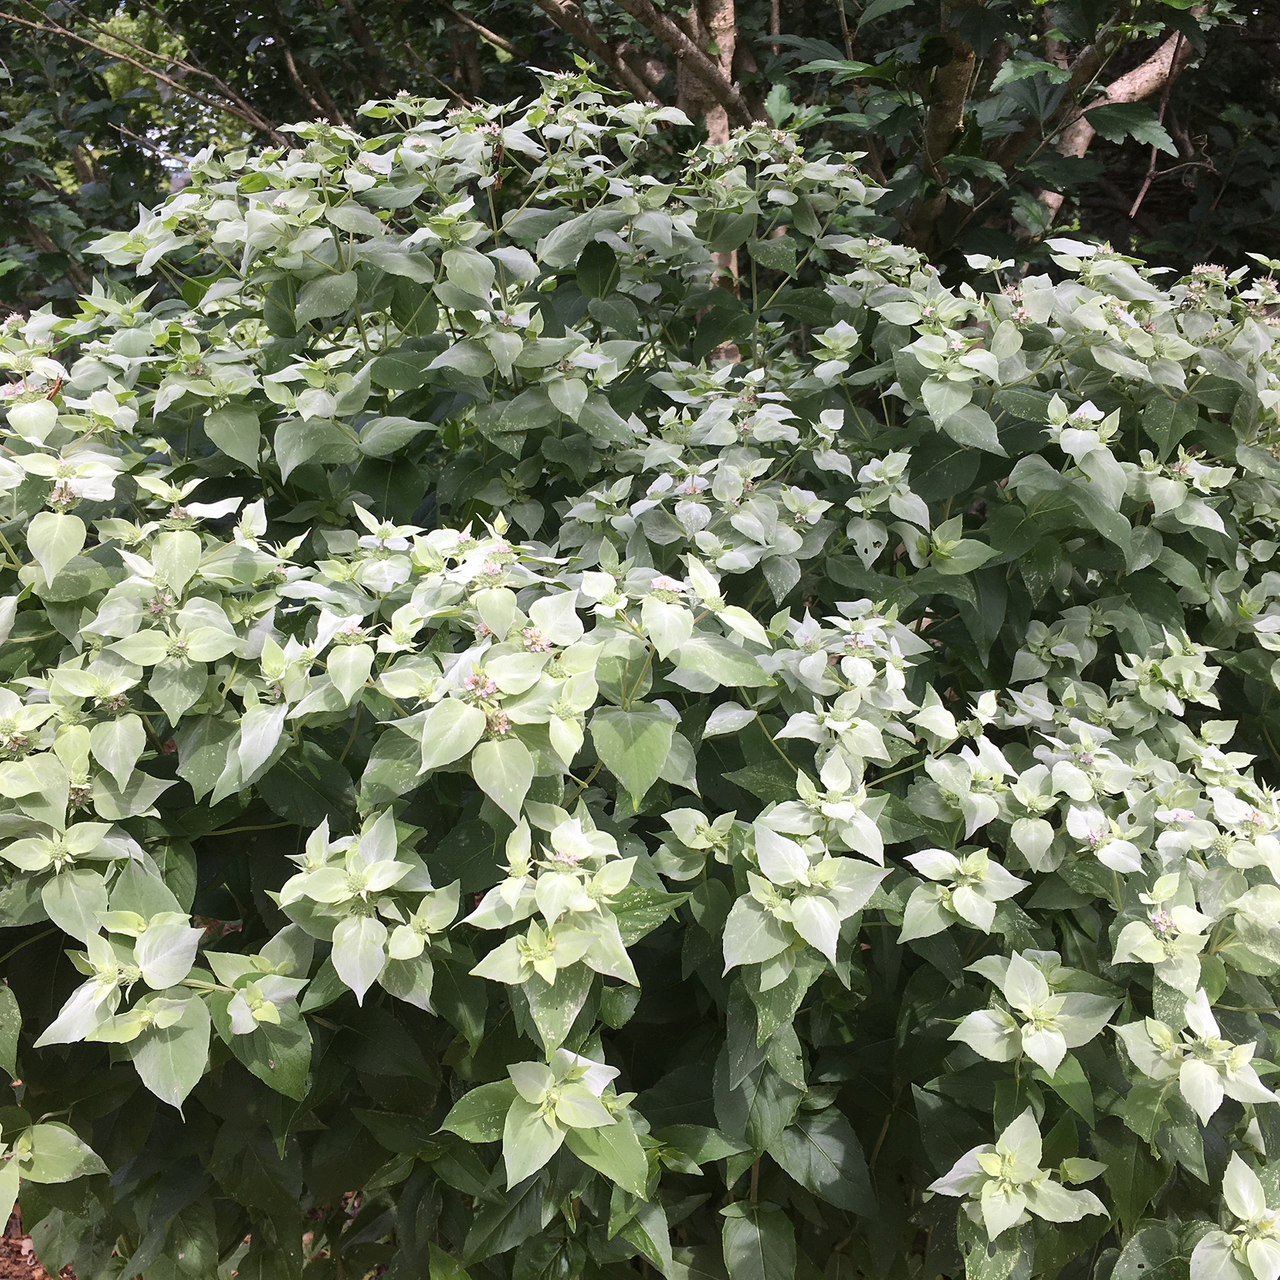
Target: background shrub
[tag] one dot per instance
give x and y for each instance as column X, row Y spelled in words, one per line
column 527, row 750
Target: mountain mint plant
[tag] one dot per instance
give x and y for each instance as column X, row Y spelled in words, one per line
column 556, row 725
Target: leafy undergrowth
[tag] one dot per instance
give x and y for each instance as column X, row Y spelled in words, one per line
column 521, row 757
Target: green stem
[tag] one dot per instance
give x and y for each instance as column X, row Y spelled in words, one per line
column 233, row 831
column 13, row 951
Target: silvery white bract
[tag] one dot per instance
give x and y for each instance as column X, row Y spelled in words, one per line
column 1252, row 1248
column 1004, row 1185
column 515, row 756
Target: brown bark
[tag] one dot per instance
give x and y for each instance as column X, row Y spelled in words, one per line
column 715, row 24
column 710, row 71
column 1147, row 78
column 652, row 71
column 943, row 121
column 468, row 61
column 467, row 20
column 945, row 117
column 567, row 15
column 83, row 165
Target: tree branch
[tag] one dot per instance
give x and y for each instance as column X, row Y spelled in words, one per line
column 566, row 15
column 697, row 61
column 231, row 103
column 945, row 117
column 1164, row 104
column 1146, row 78
column 467, row 20
column 1086, row 65
column 360, row 30
column 295, row 79
column 943, row 120
column 74, row 272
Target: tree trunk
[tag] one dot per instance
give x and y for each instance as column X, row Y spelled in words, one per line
column 719, row 21
column 943, row 121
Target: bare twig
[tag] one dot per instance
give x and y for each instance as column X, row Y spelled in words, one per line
column 1151, row 166
column 295, row 79
column 150, row 146
column 229, row 102
column 845, row 33
column 1156, row 73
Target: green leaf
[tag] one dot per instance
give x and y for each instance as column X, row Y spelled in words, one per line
column 278, row 1055
column 879, row 9
column 478, row 1116
column 769, row 781
column 759, row 1243
column 1152, row 1254
column 822, row 1153
column 308, row 786
column 235, row 430
column 445, row 1267
column 633, row 745
column 974, row 428
column 1132, row 1175
column 381, row 437
column 324, row 297
column 359, row 952
column 995, row 1259
column 73, row 899
column 54, row 539
column 1071, row 1084
column 756, row 1112
column 1116, row 121
column 528, row 1141
column 555, row 1008
column 650, row 1231
column 172, row 1060
column 725, row 662
column 777, row 253
column 117, row 744
column 1145, row 1107
column 565, row 244
column 58, row 1154
column 698, row 1142
column 503, row 770
column 10, row 1026
column 401, row 370
column 946, row 1130
column 448, row 731
column 1023, row 68
column 752, row 934
column 1167, row 421
column 597, row 270
column 614, row 1151
column 639, row 909
column 10, row 1178
column 299, row 441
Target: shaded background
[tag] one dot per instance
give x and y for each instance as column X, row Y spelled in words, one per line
column 968, row 112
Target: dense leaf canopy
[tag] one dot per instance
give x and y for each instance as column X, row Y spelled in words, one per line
column 989, row 125
column 519, row 757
